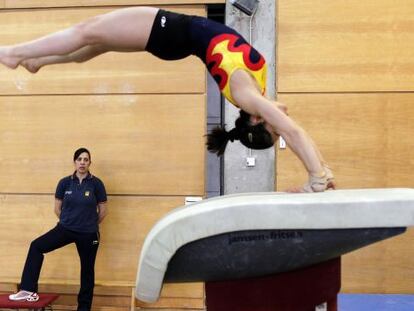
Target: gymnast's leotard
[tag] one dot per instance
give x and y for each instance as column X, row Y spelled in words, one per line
column 222, row 49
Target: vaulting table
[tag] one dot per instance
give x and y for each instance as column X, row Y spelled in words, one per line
column 269, row 251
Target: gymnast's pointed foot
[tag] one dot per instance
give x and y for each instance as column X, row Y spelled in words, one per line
column 7, row 59
column 31, row 65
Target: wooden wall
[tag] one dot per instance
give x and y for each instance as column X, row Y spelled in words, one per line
column 346, row 71
column 142, row 119
column 24, row 4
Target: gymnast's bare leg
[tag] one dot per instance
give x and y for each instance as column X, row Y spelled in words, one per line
column 82, row 55
column 125, row 29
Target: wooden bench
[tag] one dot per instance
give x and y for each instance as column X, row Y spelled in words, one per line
column 45, row 301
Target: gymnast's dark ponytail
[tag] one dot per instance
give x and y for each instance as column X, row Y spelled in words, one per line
column 218, row 138
column 251, row 136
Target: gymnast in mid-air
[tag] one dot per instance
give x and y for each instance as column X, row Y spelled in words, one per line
column 238, row 69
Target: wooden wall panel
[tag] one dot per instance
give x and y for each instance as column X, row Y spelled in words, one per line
column 171, row 304
column 367, row 140
column 119, row 303
column 147, row 144
column 177, row 295
column 122, row 235
column 345, row 45
column 7, row 287
column 122, row 303
column 364, row 137
column 385, row 267
column 143, row 120
column 10, row 4
column 119, row 73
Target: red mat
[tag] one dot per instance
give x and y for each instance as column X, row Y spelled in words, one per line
column 43, row 302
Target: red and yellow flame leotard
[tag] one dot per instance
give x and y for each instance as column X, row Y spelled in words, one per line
column 224, row 57
column 221, row 48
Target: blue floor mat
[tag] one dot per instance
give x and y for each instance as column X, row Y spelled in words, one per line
column 374, row 302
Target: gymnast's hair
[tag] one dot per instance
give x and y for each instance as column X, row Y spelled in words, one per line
column 251, row 136
column 79, row 152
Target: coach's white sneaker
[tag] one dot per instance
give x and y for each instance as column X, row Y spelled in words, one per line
column 24, row 295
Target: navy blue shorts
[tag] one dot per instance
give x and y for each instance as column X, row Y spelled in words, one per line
column 176, row 36
column 170, row 38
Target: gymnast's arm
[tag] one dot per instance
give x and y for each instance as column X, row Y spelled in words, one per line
column 248, row 97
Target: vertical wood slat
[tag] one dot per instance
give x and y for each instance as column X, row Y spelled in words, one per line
column 111, row 73
column 123, row 119
column 122, row 235
column 147, row 144
column 345, row 46
column 12, row 4
column 366, row 138
column 384, row 267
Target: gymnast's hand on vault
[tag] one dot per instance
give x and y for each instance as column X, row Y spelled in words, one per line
column 317, row 183
column 320, row 183
column 331, row 184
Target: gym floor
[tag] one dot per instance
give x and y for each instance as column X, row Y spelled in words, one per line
column 373, row 302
